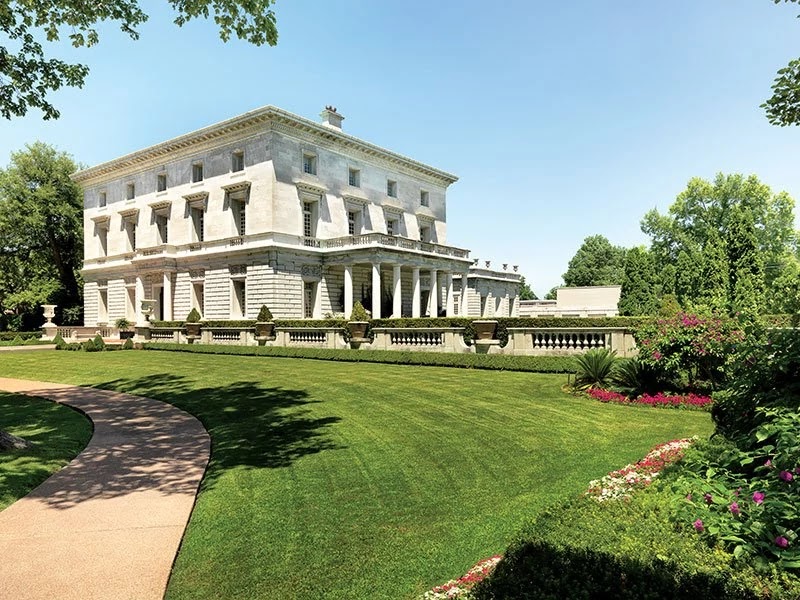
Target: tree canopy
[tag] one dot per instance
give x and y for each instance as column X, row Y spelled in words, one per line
column 525, row 291
column 597, row 262
column 783, row 107
column 27, row 75
column 41, row 233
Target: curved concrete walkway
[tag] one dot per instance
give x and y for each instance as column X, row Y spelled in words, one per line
column 108, row 525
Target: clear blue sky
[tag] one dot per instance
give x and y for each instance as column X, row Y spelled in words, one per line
column 562, row 119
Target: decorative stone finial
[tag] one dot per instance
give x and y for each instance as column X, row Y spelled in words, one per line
column 488, row 263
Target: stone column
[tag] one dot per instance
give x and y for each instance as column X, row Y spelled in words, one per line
column 415, row 293
column 449, row 305
column 376, row 290
column 464, row 289
column 397, row 308
column 139, row 296
column 167, row 308
column 348, row 290
column 433, row 305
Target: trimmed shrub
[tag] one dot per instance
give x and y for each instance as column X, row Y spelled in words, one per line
column 59, row 342
column 359, row 313
column 17, row 341
column 99, row 344
column 264, row 314
column 496, row 362
column 6, row 336
column 128, row 345
column 193, row 316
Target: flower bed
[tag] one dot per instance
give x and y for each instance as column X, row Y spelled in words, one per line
column 460, row 588
column 619, row 485
column 660, row 399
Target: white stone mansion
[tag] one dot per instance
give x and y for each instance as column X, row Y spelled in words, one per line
column 271, row 208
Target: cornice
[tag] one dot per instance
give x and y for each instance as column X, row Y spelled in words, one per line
column 261, row 120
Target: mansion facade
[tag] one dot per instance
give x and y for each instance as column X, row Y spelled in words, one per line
column 270, row 208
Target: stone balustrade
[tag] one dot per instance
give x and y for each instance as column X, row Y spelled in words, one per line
column 534, row 341
column 425, row 339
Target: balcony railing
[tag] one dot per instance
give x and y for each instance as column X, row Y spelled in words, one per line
column 391, row 241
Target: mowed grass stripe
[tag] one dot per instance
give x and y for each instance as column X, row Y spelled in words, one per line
column 362, row 480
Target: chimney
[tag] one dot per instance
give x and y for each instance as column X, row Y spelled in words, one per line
column 331, row 118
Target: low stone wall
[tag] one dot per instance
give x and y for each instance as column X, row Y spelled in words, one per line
column 534, row 341
column 421, row 339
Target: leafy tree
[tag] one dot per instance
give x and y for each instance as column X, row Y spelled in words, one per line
column 785, row 296
column 597, row 262
column 525, row 291
column 746, row 277
column 41, row 231
column 27, row 76
column 639, row 288
column 783, row 107
column 552, row 294
column 693, row 235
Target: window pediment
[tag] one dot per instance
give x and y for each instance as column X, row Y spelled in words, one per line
column 355, row 203
column 310, row 192
column 102, row 221
column 130, row 215
column 162, row 208
column 197, row 200
column 423, row 212
column 239, row 191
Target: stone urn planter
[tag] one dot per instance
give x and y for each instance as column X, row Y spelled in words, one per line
column 485, row 330
column 193, row 325
column 265, row 329
column 357, row 325
column 358, row 329
column 193, row 330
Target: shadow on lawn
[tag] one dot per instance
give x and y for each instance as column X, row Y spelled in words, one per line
column 141, row 445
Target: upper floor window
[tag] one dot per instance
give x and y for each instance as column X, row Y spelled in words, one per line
column 102, row 199
column 391, row 226
column 161, row 182
column 425, row 234
column 198, row 219
column 240, row 216
column 424, row 198
column 353, row 226
column 162, row 223
column 130, row 229
column 309, row 229
column 391, row 188
column 197, row 172
column 130, row 191
column 102, row 238
column 237, row 161
column 309, row 163
column 354, row 177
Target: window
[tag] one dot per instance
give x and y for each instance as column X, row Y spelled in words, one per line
column 240, row 214
column 162, row 224
column 309, row 298
column 102, row 306
column 197, row 172
column 237, row 161
column 239, row 299
column 309, row 163
column 198, row 220
column 391, row 188
column 161, row 182
column 423, row 198
column 425, row 234
column 130, row 229
column 354, row 177
column 198, row 297
column 102, row 237
column 102, row 199
column 352, row 223
column 130, row 191
column 130, row 304
column 308, row 219
column 391, row 226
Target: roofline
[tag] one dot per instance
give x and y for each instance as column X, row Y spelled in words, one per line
column 265, row 114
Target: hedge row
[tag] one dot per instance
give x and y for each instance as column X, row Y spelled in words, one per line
column 24, row 342
column 6, row 336
column 497, row 362
column 623, row 550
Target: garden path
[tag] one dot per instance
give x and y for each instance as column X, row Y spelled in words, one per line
column 109, row 524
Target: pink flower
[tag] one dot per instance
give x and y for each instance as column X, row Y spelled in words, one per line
column 689, row 497
column 734, row 507
column 786, row 476
column 698, row 525
column 768, row 464
column 781, row 542
column 708, row 498
column 657, row 355
column 758, row 497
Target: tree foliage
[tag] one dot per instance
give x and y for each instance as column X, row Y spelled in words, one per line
column 783, row 107
column 525, row 291
column 27, row 75
column 639, row 294
column 597, row 262
column 41, row 231
column 703, row 234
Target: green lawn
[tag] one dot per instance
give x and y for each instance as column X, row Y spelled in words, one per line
column 58, row 434
column 340, row 480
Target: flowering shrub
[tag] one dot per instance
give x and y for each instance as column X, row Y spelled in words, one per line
column 689, row 344
column 619, row 485
column 660, row 399
column 460, row 588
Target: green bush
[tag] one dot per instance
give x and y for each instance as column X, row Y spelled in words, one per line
column 128, row 345
column 595, row 368
column 359, row 313
column 6, row 336
column 99, row 344
column 622, row 550
column 17, row 341
column 167, row 324
column 633, row 378
column 264, row 314
column 497, row 362
column 59, row 342
column 193, row 316
column 231, row 324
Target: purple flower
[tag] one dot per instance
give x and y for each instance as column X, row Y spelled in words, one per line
column 768, row 464
column 689, row 497
column 758, row 497
column 738, row 491
column 734, row 507
column 781, row 542
column 786, row 475
column 708, row 498
column 698, row 526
